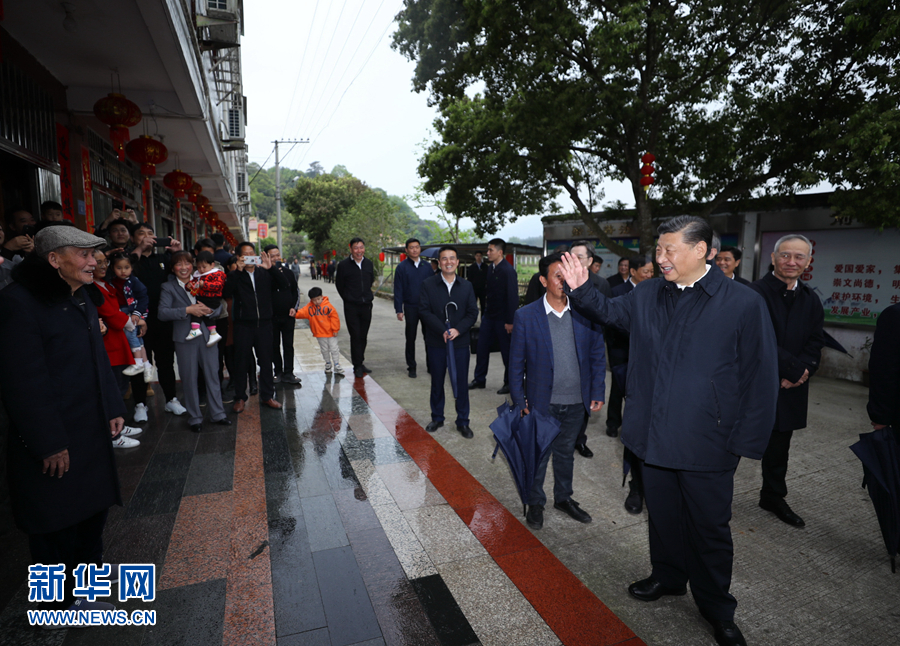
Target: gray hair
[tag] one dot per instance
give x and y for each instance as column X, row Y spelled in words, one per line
column 792, row 236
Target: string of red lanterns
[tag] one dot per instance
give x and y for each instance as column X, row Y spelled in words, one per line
column 120, row 114
column 647, row 170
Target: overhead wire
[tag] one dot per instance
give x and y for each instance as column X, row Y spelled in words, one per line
column 300, row 69
column 312, row 88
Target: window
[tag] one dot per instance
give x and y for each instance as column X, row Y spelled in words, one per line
column 219, row 5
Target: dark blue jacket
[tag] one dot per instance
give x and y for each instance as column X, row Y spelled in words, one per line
column 703, row 378
column 501, row 293
column 884, row 369
column 531, row 356
column 432, row 304
column 616, row 339
column 408, row 281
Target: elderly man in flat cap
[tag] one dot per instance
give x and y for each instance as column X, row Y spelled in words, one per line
column 63, row 403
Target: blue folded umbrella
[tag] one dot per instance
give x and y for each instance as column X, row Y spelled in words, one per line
column 524, row 441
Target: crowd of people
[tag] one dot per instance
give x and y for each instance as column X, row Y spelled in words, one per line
column 92, row 318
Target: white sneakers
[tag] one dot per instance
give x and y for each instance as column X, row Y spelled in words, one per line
column 124, row 442
column 148, row 372
column 193, row 334
column 140, row 413
column 133, row 370
column 131, row 431
column 338, row 370
column 214, row 338
column 327, row 368
column 175, row 407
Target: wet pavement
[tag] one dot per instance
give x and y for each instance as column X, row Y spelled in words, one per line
column 339, row 520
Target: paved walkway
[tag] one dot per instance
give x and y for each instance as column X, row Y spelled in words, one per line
column 339, row 520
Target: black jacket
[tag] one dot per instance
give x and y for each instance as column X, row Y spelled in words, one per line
column 702, row 383
column 60, row 393
column 477, row 275
column 433, row 299
column 253, row 306
column 354, row 284
column 800, row 336
column 884, row 369
column 502, row 293
column 287, row 296
column 616, row 339
column 153, row 271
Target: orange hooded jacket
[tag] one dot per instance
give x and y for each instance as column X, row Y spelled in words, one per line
column 323, row 319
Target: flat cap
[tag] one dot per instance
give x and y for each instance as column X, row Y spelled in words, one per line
column 55, row 237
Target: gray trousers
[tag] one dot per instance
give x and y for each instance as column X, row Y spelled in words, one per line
column 191, row 356
column 330, row 352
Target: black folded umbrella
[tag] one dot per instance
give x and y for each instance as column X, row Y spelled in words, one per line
column 879, row 453
column 831, row 342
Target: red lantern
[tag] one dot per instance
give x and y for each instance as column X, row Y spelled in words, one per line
column 381, row 256
column 194, row 191
column 402, row 257
column 119, row 114
column 148, row 152
column 177, row 181
column 647, row 170
column 202, row 202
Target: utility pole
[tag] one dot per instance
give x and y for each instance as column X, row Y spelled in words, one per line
column 278, row 182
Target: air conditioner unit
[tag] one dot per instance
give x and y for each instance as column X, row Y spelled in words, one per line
column 235, row 124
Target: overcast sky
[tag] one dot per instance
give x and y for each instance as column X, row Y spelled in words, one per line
column 324, row 70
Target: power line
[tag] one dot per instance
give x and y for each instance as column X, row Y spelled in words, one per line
column 312, row 87
column 300, row 69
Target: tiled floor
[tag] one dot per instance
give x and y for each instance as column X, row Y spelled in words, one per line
column 336, row 521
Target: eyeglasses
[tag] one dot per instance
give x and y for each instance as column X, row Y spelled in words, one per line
column 581, row 256
column 799, row 257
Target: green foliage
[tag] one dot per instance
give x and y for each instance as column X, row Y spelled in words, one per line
column 734, row 100
column 318, row 203
column 373, row 217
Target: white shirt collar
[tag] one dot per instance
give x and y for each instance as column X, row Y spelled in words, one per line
column 633, row 284
column 682, row 287
column 448, row 284
column 549, row 308
column 358, row 264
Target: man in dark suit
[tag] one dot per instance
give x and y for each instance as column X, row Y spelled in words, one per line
column 640, row 269
column 622, row 273
column 408, row 279
column 797, row 316
column 700, row 396
column 354, row 279
column 584, row 251
column 728, row 260
column 477, row 275
column 548, row 341
column 884, row 371
column 284, row 299
column 251, row 288
column 448, row 300
column 502, row 295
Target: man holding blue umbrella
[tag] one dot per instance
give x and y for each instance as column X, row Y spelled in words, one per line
column 448, row 308
column 561, row 354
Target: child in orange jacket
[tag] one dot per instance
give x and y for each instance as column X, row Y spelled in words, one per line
column 324, row 323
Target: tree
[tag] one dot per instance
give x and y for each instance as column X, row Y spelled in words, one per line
column 735, row 100
column 318, row 203
column 375, row 219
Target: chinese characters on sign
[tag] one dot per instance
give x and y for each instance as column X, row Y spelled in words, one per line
column 92, row 581
column 88, row 188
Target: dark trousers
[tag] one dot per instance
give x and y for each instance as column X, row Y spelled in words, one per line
column 614, row 405
column 283, row 344
column 358, row 317
column 413, row 322
column 490, row 330
column 690, row 539
column 73, row 545
column 437, row 359
column 637, row 469
column 570, row 418
column 161, row 349
column 481, row 300
column 248, row 338
column 774, row 465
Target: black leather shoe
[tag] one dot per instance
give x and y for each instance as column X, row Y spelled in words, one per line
column 475, row 384
column 412, row 374
column 254, row 390
column 466, row 432
column 196, row 428
column 571, row 507
column 726, row 633
column 650, row 590
column 358, row 373
column 612, row 431
column 584, row 450
column 364, row 369
column 504, row 390
column 634, row 502
column 535, row 516
column 276, row 378
column 223, row 422
column 780, row 508
column 290, row 378
column 433, row 426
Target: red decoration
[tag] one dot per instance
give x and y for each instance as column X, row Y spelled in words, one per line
column 119, row 114
column 402, row 257
column 647, row 170
column 194, row 191
column 178, row 181
column 381, row 256
column 148, row 152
